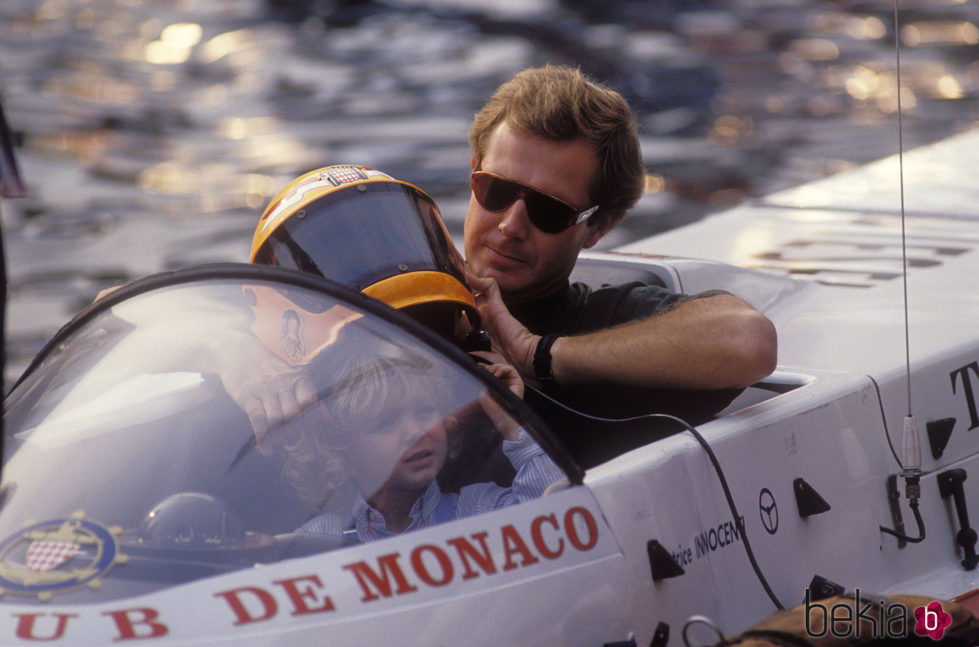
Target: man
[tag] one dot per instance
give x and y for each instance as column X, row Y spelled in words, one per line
column 556, row 164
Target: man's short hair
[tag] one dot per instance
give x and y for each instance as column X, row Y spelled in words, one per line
column 561, row 104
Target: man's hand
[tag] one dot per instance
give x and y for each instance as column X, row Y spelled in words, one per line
column 712, row 341
column 270, row 392
column 510, row 337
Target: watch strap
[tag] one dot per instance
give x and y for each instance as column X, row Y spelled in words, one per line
column 542, row 360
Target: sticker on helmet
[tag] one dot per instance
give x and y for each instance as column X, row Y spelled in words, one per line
column 338, row 175
column 293, row 335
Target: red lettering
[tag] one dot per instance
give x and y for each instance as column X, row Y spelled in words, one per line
column 366, row 576
column 514, row 543
column 25, row 625
column 538, row 537
column 433, row 565
column 242, row 614
column 466, row 550
column 572, row 531
column 127, row 625
column 299, row 597
column 422, row 571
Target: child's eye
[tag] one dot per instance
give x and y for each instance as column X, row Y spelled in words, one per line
column 428, row 413
column 386, row 423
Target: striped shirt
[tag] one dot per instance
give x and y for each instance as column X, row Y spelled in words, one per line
column 535, row 471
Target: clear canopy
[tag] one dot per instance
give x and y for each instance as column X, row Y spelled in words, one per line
column 197, row 424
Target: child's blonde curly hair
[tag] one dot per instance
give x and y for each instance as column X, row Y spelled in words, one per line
column 316, row 463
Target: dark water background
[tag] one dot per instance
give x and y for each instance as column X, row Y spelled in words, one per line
column 152, row 133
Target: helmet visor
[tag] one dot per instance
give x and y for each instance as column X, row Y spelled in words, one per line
column 364, row 234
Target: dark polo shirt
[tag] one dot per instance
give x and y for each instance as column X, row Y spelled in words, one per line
column 579, row 309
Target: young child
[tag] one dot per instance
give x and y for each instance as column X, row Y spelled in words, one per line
column 372, row 464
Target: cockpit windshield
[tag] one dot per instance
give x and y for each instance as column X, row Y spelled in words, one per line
column 229, row 419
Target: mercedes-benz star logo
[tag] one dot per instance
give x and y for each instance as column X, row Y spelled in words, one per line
column 768, row 511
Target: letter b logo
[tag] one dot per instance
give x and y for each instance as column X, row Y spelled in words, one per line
column 932, row 620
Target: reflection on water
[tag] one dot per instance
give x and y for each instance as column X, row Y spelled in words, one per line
column 153, row 133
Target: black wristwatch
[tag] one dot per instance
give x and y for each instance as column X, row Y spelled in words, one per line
column 542, row 361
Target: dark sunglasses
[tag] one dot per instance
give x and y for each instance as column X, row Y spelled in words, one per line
column 547, row 213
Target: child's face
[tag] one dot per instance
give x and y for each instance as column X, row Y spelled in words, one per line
column 404, row 448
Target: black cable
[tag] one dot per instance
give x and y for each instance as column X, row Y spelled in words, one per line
column 913, row 504
column 731, row 504
column 717, row 468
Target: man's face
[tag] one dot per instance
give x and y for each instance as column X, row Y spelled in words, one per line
column 527, row 262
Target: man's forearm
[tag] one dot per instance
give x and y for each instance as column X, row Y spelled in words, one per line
column 711, row 342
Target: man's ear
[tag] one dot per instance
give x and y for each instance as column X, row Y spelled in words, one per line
column 472, row 162
column 596, row 230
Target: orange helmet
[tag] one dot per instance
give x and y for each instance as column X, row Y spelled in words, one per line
column 363, row 228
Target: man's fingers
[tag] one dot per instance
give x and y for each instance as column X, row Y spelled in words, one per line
column 274, row 412
column 483, row 288
column 288, row 405
column 305, row 392
column 476, row 282
column 510, row 337
column 260, row 424
column 266, row 417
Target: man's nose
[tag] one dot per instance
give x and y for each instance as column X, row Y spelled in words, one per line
column 514, row 222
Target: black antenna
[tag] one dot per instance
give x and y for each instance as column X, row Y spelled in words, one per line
column 904, row 230
column 911, row 442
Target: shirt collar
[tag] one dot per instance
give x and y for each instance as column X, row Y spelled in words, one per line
column 371, row 525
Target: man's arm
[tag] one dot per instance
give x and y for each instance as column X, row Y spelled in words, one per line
column 714, row 341
column 269, row 391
